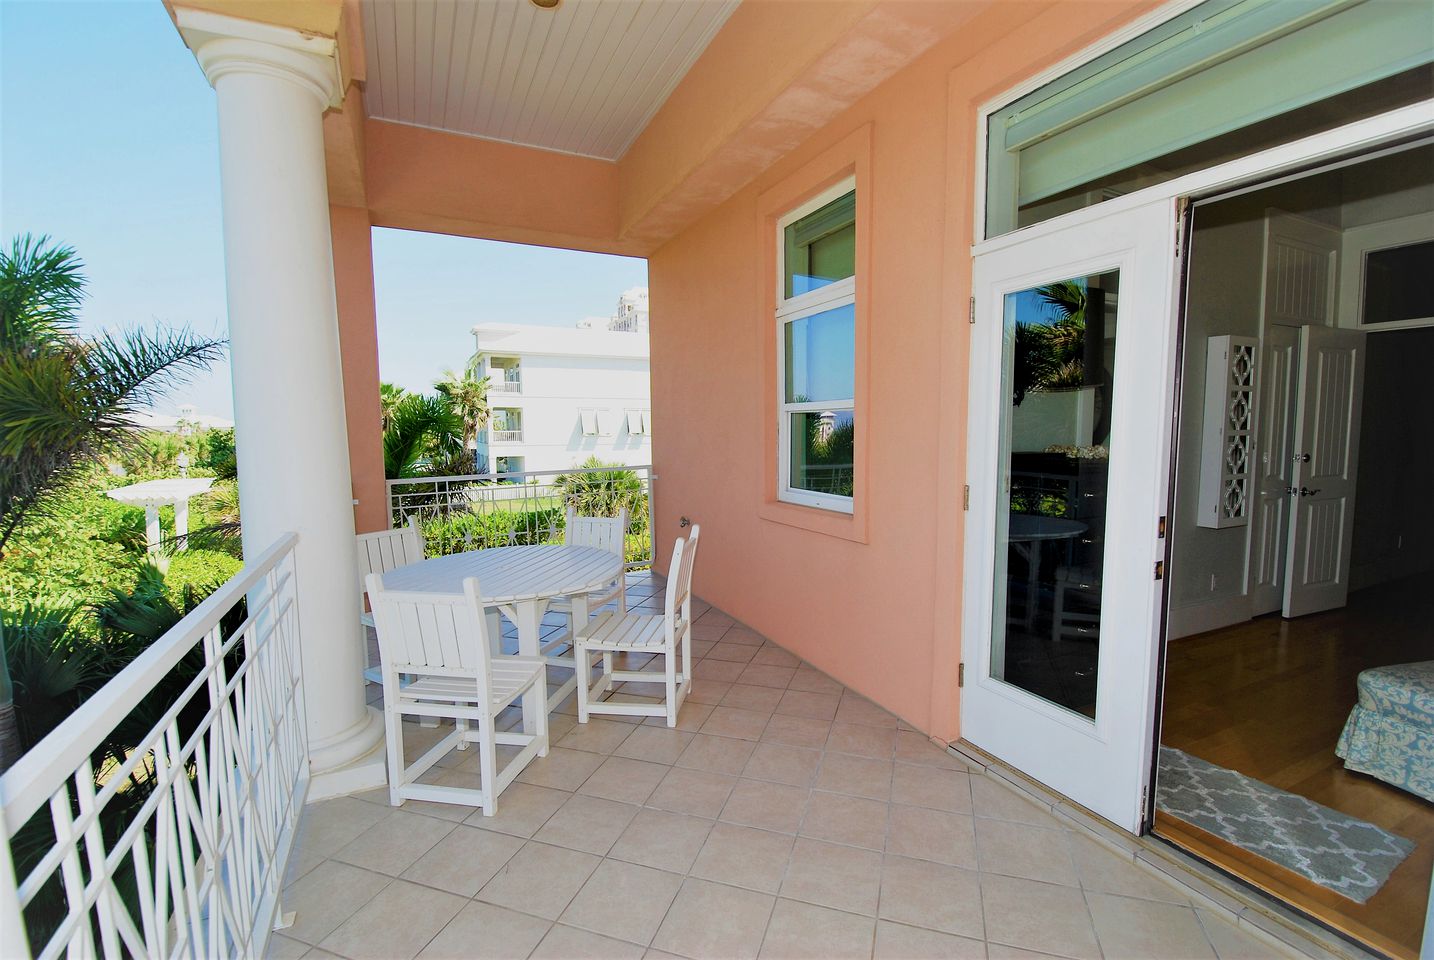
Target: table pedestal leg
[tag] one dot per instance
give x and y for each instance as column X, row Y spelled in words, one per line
column 529, row 621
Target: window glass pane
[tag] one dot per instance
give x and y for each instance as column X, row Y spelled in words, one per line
column 823, row 444
column 820, row 248
column 1396, row 283
column 1058, row 377
column 1225, row 79
column 821, row 356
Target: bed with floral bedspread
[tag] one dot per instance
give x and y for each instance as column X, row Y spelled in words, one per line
column 1390, row 731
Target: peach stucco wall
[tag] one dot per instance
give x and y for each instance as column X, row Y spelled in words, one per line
column 881, row 615
column 358, row 341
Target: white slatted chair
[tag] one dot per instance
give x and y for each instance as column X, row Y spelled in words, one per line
column 601, row 533
column 441, row 644
column 379, row 553
column 663, row 634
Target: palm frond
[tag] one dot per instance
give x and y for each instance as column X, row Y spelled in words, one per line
column 41, row 288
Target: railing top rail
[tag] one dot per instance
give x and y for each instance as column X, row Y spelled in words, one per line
column 32, row 780
column 474, row 477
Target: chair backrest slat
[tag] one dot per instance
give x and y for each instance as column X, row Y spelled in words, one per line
column 383, row 551
column 679, row 579
column 601, row 533
column 418, row 631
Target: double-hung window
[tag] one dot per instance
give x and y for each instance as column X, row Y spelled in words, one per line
column 816, row 350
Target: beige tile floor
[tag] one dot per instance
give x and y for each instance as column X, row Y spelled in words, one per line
column 785, row 817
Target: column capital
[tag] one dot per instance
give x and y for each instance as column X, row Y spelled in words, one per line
column 226, row 45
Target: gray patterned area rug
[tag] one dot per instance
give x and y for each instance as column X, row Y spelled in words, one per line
column 1349, row 856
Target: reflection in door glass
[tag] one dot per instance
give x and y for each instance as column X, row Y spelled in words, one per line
column 1058, row 361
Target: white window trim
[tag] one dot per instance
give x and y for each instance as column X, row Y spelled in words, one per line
column 789, row 309
column 588, row 420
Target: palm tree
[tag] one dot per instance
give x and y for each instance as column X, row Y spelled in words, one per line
column 424, row 435
column 66, row 401
column 468, row 393
column 388, row 396
column 1051, row 356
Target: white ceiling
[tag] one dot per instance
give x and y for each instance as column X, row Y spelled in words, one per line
column 584, row 78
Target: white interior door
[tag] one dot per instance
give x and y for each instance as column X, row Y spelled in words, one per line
column 1274, row 469
column 1072, row 368
column 1326, row 465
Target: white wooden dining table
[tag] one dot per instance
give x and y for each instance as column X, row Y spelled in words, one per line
column 519, row 581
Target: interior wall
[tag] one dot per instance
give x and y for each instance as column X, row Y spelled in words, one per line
column 1224, row 297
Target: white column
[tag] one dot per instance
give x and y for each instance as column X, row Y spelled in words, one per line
column 272, row 90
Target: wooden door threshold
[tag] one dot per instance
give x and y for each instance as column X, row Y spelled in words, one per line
column 1284, row 885
column 1261, row 912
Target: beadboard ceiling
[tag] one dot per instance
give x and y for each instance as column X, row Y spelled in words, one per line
column 584, row 78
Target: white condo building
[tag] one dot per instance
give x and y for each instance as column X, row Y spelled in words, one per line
column 561, row 395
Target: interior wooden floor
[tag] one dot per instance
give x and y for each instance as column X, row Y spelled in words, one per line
column 1268, row 698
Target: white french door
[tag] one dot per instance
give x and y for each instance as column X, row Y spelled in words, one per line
column 1326, row 464
column 1072, row 367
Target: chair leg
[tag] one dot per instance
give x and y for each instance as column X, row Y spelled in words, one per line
column 670, row 663
column 393, row 730
column 540, row 690
column 582, row 663
column 488, row 766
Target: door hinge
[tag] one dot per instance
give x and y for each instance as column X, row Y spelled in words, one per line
column 966, row 497
column 1160, row 569
column 961, row 675
column 973, row 310
column 1160, row 529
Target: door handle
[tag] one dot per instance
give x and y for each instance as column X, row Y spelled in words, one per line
column 1307, row 492
column 1302, row 458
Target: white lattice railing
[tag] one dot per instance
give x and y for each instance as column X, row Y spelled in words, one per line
column 484, row 510
column 173, row 845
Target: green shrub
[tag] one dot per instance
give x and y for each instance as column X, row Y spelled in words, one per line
column 203, row 571
column 457, row 532
column 216, row 453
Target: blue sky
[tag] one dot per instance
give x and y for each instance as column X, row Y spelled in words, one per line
column 108, row 143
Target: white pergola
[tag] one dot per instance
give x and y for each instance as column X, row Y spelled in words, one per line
column 153, row 494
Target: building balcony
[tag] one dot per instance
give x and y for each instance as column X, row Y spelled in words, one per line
column 507, row 436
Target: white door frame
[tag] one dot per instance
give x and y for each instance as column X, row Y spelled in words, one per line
column 979, row 553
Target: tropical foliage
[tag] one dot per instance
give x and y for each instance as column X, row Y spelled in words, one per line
column 67, row 403
column 601, row 489
column 424, row 437
column 467, row 394
column 1051, row 356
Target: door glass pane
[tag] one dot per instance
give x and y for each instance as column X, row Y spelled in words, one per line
column 821, row 356
column 822, row 445
column 820, row 248
column 1058, row 368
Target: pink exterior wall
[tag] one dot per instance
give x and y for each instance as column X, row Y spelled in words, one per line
column 358, row 341
column 875, row 602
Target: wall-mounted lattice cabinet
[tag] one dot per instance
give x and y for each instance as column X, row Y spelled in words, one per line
column 1227, row 444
